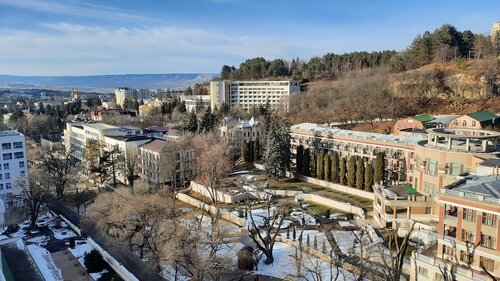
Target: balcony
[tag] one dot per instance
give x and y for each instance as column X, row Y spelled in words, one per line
column 451, row 214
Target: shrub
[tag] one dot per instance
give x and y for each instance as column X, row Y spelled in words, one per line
column 94, row 262
column 109, row 276
column 72, row 242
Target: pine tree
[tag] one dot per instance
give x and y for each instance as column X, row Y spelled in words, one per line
column 207, row 123
column 319, row 166
column 306, row 168
column 323, row 249
column 368, row 177
column 379, row 176
column 288, row 233
column 294, row 234
column 277, row 157
column 360, row 173
column 244, row 151
column 351, row 171
column 335, row 167
column 256, row 150
column 308, row 242
column 299, row 163
column 342, row 172
column 312, row 170
column 192, row 125
column 250, row 151
column 315, row 243
column 326, row 167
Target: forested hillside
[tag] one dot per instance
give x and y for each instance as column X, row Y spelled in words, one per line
column 443, row 71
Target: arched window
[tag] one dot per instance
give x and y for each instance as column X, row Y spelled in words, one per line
column 455, row 123
column 464, row 123
column 473, row 123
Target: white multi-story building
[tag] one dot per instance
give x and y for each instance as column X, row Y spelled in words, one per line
column 250, row 94
column 13, row 162
column 77, row 135
column 124, row 93
column 236, row 131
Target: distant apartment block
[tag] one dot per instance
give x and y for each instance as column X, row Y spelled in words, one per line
column 121, row 94
column 13, row 162
column 250, row 94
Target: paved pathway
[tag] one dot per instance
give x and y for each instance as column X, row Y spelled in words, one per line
column 20, row 266
column 70, row 267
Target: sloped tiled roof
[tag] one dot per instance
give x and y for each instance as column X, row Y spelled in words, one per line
column 156, row 145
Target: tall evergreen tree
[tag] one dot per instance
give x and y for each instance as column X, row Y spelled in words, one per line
column 277, row 156
column 192, row 125
column 312, row 168
column 299, row 159
column 335, row 167
column 256, row 150
column 368, row 177
column 379, row 173
column 351, row 171
column 306, row 167
column 326, row 167
column 207, row 123
column 319, row 166
column 342, row 172
column 360, row 173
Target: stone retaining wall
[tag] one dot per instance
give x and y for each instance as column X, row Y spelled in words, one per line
column 332, row 204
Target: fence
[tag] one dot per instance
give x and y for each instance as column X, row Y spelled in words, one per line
column 211, row 209
column 332, row 204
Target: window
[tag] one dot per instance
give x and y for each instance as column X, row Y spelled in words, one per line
column 469, row 215
column 431, row 167
column 468, row 236
column 466, row 257
column 422, row 271
column 1, row 177
column 488, row 241
column 21, row 164
column 7, row 156
column 455, row 123
column 1, row 186
column 6, row 145
column 22, row 173
column 18, row 144
column 464, row 123
column 7, row 185
column 428, row 210
column 453, row 169
column 489, row 264
column 7, row 176
column 430, row 188
column 473, row 123
column 18, row 155
column 5, row 166
column 439, row 277
column 489, row 219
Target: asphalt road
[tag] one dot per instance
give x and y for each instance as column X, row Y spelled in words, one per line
column 132, row 263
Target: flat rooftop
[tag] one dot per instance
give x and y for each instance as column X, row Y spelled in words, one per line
column 9, row 134
column 323, row 130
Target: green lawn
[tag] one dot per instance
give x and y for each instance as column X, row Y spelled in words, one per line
column 322, row 210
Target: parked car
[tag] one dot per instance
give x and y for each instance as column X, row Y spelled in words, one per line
column 41, row 223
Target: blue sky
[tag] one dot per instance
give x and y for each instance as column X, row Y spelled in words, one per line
column 85, row 37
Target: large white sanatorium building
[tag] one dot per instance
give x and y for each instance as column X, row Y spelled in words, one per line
column 13, row 161
column 249, row 94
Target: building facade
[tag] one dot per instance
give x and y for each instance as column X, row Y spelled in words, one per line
column 124, row 93
column 252, row 94
column 13, row 163
column 236, row 131
column 468, row 233
column 476, row 120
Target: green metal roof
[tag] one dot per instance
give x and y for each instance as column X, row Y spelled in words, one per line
column 423, row 118
column 410, row 190
column 482, row 116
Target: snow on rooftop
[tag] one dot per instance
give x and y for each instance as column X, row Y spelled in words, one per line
column 325, row 130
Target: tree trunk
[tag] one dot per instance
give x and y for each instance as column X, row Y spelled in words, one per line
column 269, row 257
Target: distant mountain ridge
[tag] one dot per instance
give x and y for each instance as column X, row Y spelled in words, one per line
column 107, row 82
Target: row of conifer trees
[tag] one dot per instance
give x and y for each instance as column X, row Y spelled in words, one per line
column 354, row 172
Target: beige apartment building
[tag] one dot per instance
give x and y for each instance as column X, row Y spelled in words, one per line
column 252, row 94
column 124, row 93
column 468, row 229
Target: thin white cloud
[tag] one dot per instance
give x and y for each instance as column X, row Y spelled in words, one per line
column 81, row 49
column 77, row 9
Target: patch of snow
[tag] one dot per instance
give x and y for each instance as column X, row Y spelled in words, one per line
column 63, row 232
column 345, row 223
column 79, row 253
column 3, row 237
column 44, row 262
column 39, row 240
column 20, row 244
column 346, row 241
column 169, row 274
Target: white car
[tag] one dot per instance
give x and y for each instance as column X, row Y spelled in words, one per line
column 41, row 223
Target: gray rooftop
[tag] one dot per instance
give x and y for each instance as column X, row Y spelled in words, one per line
column 337, row 132
column 485, row 186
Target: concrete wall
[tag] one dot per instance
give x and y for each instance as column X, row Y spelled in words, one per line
column 338, row 187
column 332, row 204
column 117, row 267
column 211, row 209
column 290, row 193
